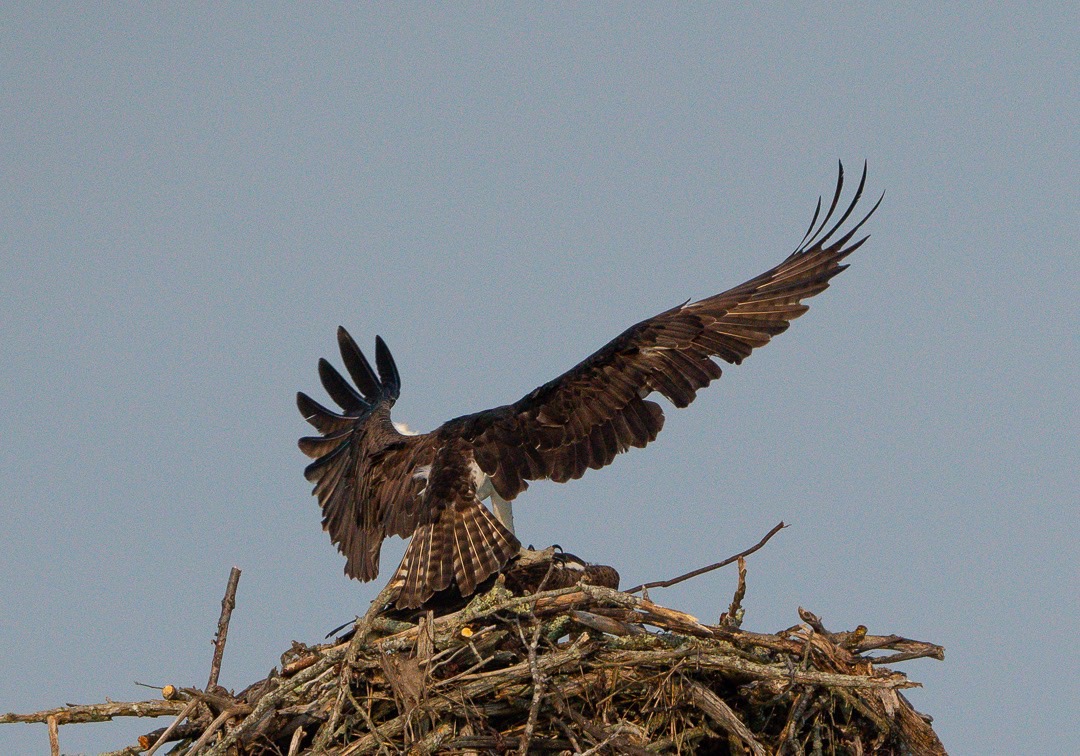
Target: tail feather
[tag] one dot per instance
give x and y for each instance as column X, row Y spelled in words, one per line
column 466, row 544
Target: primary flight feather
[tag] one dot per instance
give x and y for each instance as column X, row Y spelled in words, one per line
column 374, row 481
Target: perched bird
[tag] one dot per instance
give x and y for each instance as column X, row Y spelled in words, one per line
column 373, row 480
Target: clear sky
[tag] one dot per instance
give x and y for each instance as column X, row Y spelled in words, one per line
column 196, row 196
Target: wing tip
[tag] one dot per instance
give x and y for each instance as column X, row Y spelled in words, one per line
column 816, row 239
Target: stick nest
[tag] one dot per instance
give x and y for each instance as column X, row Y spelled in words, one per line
column 583, row 669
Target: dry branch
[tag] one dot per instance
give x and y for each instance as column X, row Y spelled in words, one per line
column 98, row 712
column 228, row 603
column 702, row 570
column 724, row 716
column 54, row 737
column 582, row 669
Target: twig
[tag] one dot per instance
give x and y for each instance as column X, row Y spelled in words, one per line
column 359, row 641
column 734, row 615
column 364, row 624
column 932, row 653
column 917, row 731
column 794, row 721
column 485, row 685
column 98, row 712
column 911, row 649
column 54, row 737
column 216, row 725
column 754, row 670
column 722, row 714
column 604, row 624
column 605, row 738
column 432, row 742
column 373, row 728
column 331, row 726
column 172, row 728
column 228, row 603
column 272, row 699
column 294, row 742
column 711, row 567
column 539, row 684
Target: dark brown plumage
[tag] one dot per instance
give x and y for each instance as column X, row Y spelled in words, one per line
column 373, row 481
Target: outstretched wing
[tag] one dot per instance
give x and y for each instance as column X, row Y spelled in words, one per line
column 598, row 409
column 367, row 476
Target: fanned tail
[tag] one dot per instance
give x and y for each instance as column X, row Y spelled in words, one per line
column 465, row 544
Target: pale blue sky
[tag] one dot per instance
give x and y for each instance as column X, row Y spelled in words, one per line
column 197, row 195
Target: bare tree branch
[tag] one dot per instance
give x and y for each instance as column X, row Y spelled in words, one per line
column 228, row 603
column 711, row 567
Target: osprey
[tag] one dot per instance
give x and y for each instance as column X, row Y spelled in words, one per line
column 372, row 480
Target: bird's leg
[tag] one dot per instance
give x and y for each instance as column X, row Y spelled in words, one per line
column 503, row 511
column 500, row 506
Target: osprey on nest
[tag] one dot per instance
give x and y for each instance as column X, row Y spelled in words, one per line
column 374, row 481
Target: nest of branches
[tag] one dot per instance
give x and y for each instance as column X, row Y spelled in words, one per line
column 578, row 669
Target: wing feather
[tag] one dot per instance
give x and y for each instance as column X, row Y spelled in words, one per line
column 357, row 365
column 586, row 416
column 339, row 389
column 365, row 473
column 323, row 419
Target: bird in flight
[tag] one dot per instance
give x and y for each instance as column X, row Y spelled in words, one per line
column 373, row 480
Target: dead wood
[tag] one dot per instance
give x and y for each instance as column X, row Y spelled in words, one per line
column 702, row 570
column 582, row 669
column 228, row 603
column 98, row 712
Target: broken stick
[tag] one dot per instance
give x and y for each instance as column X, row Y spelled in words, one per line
column 228, row 603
